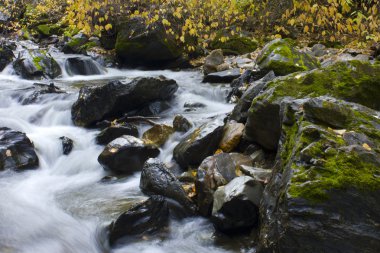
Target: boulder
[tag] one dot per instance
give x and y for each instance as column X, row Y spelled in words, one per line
column 232, row 134
column 236, row 205
column 77, row 44
column 126, row 154
column 156, row 179
column 240, row 111
column 83, row 66
column 353, row 81
column 157, row 135
column 67, row 145
column 216, row 171
column 16, row 151
column 199, row 144
column 181, row 124
column 6, row 55
column 259, row 174
column 138, row 44
column 148, row 218
column 116, row 98
column 36, row 64
column 115, row 131
column 225, row 76
column 280, row 56
column 213, row 62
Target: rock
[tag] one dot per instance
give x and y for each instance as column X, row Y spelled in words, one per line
column 67, row 145
column 16, row 151
column 115, row 98
column 216, row 171
column 240, row 111
column 181, row 124
column 226, row 76
column 115, row 131
column 194, row 105
column 140, row 45
column 36, row 64
column 281, row 57
column 83, row 66
column 199, row 144
column 318, row 50
column 353, row 81
column 212, row 61
column 157, row 135
column 235, row 45
column 47, row 30
column 259, row 174
column 156, row 179
column 153, row 109
column 6, row 55
column 239, row 85
column 126, row 155
column 231, row 136
column 148, row 218
column 78, row 44
column 38, row 92
column 323, row 182
column 187, row 176
column 236, row 205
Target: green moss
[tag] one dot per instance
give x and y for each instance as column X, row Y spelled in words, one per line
column 235, row 45
column 88, row 45
column 37, row 62
column 49, row 29
column 75, row 42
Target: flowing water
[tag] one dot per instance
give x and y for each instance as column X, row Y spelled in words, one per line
column 63, row 207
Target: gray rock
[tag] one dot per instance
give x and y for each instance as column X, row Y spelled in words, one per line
column 67, row 145
column 212, row 61
column 225, row 76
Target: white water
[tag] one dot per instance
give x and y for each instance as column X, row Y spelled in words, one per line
column 62, row 207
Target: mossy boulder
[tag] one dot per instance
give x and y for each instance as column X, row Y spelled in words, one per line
column 234, row 45
column 326, row 179
column 280, row 56
column 353, row 81
column 78, row 44
column 140, row 45
column 47, row 30
column 36, row 64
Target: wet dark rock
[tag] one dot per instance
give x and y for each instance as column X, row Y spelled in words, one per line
column 259, row 174
column 67, row 145
column 157, row 135
column 82, row 66
column 216, row 171
column 115, row 131
column 148, row 218
column 16, row 151
column 194, row 105
column 240, row 112
column 181, row 124
column 199, row 144
column 6, row 55
column 36, row 64
column 152, row 109
column 225, row 76
column 238, row 85
column 39, row 91
column 236, row 205
column 126, row 154
column 323, row 182
column 156, row 179
column 139, row 45
column 116, row 98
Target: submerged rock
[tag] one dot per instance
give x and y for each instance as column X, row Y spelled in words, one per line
column 199, row 144
column 126, row 155
column 323, row 182
column 148, row 218
column 36, row 64
column 16, row 151
column 67, row 145
column 280, row 56
column 115, row 131
column 140, row 45
column 236, row 205
column 156, row 179
column 83, row 66
column 115, row 98
column 39, row 91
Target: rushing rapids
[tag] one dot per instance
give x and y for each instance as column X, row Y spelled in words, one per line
column 63, row 205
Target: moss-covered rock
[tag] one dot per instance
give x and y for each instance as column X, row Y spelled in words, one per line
column 353, row 81
column 325, row 180
column 78, row 44
column 234, row 45
column 47, row 30
column 281, row 57
column 137, row 44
